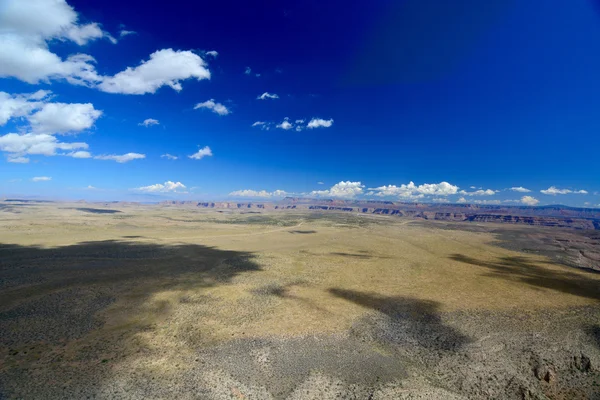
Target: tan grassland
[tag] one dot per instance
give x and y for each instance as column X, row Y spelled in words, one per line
column 132, row 303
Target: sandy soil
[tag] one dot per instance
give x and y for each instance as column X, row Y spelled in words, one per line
column 166, row 302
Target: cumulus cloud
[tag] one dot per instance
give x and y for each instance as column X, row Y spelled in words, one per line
column 553, row 191
column 30, row 143
column 169, row 156
column 480, row 192
column 440, row 200
column 529, row 200
column 45, row 120
column 248, row 71
column 461, row 200
column 149, row 122
column 80, row 154
column 165, row 67
column 63, row 118
column 27, row 29
column 520, row 189
column 41, row 178
column 267, row 95
column 20, row 105
column 167, row 187
column 212, row 53
column 258, row 193
column 341, row 189
column 201, row 153
column 285, row 124
column 488, row 202
column 121, row 158
column 413, row 191
column 319, row 123
column 217, row 108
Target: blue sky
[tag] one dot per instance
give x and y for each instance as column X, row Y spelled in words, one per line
column 466, row 99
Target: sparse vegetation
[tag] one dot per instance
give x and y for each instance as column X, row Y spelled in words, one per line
column 281, row 304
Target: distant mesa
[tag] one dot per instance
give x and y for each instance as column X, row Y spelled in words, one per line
column 552, row 216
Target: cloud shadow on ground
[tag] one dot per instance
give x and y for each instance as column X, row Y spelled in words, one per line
column 410, row 321
column 523, row 269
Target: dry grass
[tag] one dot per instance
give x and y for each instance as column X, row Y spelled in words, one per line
column 168, row 306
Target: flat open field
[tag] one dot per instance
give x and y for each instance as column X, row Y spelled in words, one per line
column 166, row 302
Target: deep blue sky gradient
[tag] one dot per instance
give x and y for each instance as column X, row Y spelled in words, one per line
column 491, row 94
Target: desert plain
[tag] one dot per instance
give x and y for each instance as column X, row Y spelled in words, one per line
column 152, row 302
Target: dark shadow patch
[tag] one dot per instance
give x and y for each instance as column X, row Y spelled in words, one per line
column 522, row 269
column 41, row 288
column 98, row 210
column 133, row 237
column 275, row 289
column 409, row 322
column 302, row 232
column 283, row 292
column 593, row 331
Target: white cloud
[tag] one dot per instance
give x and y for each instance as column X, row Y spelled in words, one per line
column 164, row 68
column 553, row 191
column 260, row 193
column 80, row 154
column 212, row 53
column 62, row 118
column 440, row 200
column 285, row 124
column 413, row 191
column 530, row 201
column 20, row 105
column 265, row 126
column 31, row 143
column 27, row 29
column 149, row 122
column 480, row 192
column 461, row 200
column 320, row 183
column 520, row 189
column 121, row 158
column 267, row 95
column 125, row 32
column 81, row 34
column 41, row 178
column 217, row 108
column 200, row 154
column 248, row 71
column 45, row 121
column 319, row 123
column 168, row 186
column 18, row 160
column 341, row 189
column 169, row 156
column 489, row 202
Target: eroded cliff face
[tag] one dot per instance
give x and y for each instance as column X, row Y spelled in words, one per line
column 552, row 216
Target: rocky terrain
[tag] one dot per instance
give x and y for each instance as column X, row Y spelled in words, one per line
column 113, row 301
column 552, row 216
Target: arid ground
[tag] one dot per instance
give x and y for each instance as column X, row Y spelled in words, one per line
column 150, row 302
